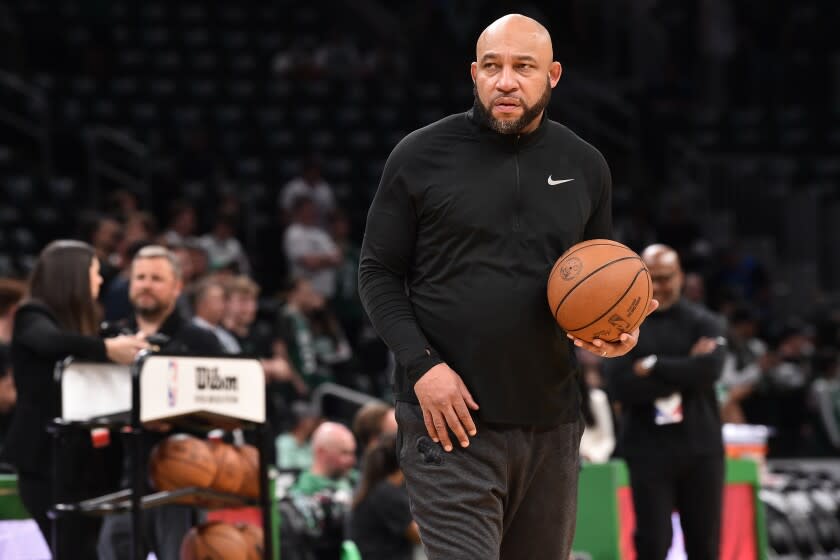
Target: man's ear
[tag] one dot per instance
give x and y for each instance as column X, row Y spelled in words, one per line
column 554, row 72
column 473, row 70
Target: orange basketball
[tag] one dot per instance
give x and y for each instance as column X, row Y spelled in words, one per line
column 599, row 289
column 214, row 541
column 229, row 467
column 250, row 486
column 253, row 535
column 181, row 460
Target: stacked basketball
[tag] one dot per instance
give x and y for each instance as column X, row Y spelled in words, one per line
column 182, row 461
column 216, row 540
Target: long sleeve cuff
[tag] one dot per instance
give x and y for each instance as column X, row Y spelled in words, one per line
column 420, row 365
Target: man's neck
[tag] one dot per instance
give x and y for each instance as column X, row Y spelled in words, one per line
column 318, row 470
column 151, row 325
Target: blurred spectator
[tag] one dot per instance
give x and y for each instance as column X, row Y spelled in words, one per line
column 333, row 459
column 116, row 301
column 312, row 185
column 200, row 259
column 314, row 341
column 694, row 289
column 182, row 225
column 12, row 292
column 598, row 440
column 208, row 302
column 241, row 315
column 332, row 349
column 345, row 302
column 224, row 250
column 138, row 226
column 8, row 394
column 295, row 330
column 311, row 252
column 324, row 491
column 671, row 437
column 155, row 284
column 256, row 339
column 188, row 277
column 381, row 524
column 294, row 450
column 789, row 376
column 104, row 233
column 59, row 319
column 371, row 422
column 825, row 395
column 744, row 364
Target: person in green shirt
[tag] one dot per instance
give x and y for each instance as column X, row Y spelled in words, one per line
column 294, row 450
column 317, row 507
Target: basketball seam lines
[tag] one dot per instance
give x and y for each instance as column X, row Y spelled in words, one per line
column 642, row 316
column 603, row 266
column 630, row 287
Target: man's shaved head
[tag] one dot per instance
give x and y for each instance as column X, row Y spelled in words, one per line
column 513, row 74
column 659, row 253
column 665, row 273
column 333, row 450
column 529, row 34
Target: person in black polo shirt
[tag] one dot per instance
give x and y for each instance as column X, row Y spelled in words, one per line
column 155, row 284
column 671, row 431
column 470, row 215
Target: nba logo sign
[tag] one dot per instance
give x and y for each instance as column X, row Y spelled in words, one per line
column 172, row 382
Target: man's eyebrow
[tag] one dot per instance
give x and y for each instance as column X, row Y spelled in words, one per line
column 518, row 57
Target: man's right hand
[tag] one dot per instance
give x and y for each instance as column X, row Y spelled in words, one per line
column 446, row 401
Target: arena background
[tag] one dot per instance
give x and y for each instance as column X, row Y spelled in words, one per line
column 720, row 121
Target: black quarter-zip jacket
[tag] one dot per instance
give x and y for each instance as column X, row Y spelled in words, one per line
column 459, row 242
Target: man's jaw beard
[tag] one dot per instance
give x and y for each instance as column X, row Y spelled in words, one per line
column 485, row 113
column 151, row 314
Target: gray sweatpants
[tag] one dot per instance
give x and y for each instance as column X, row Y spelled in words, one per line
column 510, row 495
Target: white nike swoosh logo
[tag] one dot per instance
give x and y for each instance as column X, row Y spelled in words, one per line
column 558, row 181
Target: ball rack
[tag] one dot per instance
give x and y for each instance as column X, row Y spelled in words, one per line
column 187, row 392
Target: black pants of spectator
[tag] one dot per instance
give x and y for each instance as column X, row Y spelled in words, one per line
column 691, row 485
column 75, row 535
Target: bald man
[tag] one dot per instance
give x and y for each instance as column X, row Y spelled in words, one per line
column 671, row 437
column 333, row 457
column 324, row 491
column 471, row 213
